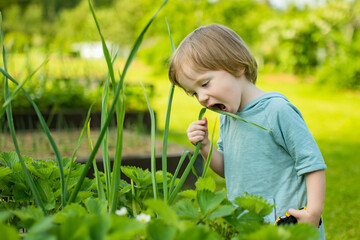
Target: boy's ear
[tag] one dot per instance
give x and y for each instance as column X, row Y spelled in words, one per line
column 240, row 72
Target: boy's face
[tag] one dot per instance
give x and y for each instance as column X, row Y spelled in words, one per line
column 213, row 89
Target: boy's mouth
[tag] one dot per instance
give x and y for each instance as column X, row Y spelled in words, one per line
column 219, row 106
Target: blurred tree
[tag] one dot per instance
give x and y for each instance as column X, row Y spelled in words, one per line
column 341, row 66
column 183, row 17
column 4, row 4
column 303, row 40
column 50, row 8
column 18, row 35
column 103, row 3
column 119, row 24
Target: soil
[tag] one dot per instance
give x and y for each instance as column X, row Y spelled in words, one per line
column 36, row 144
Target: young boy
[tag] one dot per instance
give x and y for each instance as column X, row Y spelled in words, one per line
column 284, row 165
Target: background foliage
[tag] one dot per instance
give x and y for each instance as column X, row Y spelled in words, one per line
column 321, row 39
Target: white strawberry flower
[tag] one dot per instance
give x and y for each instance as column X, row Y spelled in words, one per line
column 142, row 217
column 121, row 212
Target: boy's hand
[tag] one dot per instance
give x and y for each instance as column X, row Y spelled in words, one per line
column 198, row 132
column 306, row 216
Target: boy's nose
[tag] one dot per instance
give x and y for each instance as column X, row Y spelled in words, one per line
column 203, row 98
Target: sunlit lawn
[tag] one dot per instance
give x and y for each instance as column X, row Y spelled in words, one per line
column 334, row 119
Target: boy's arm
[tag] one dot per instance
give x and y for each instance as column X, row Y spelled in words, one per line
column 315, row 184
column 217, row 159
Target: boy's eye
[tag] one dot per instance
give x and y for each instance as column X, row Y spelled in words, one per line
column 204, row 84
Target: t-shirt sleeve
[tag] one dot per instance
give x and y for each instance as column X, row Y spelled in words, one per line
column 291, row 133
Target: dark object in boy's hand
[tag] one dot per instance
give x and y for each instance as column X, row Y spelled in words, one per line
column 288, row 219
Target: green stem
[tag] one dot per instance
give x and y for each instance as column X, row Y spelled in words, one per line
column 100, row 188
column 105, row 141
column 27, row 174
column 166, row 128
column 182, row 159
column 18, row 88
column 120, row 115
column 48, row 134
column 165, row 141
column 237, row 117
column 188, row 167
column 129, row 60
column 133, row 197
column 208, row 159
column 77, row 148
column 153, row 159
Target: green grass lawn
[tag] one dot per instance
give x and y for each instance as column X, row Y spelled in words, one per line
column 332, row 116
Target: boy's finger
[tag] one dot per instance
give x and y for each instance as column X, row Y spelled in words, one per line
column 197, row 133
column 199, row 127
column 200, row 122
column 204, row 119
column 294, row 212
column 195, row 126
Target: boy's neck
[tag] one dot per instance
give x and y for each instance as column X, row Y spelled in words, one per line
column 249, row 93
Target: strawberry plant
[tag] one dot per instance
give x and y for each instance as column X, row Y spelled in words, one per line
column 55, row 200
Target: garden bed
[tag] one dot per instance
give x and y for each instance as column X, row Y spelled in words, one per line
column 35, row 143
column 136, row 149
column 75, row 119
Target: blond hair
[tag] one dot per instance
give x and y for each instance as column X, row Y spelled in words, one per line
column 213, row 47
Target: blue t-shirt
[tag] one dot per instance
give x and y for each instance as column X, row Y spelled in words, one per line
column 270, row 164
